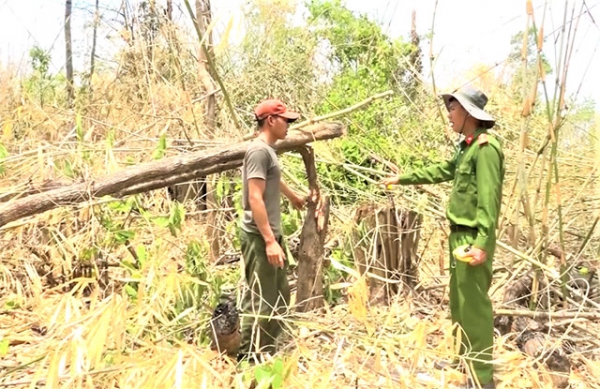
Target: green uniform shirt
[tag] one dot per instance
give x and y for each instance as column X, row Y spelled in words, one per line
column 477, row 169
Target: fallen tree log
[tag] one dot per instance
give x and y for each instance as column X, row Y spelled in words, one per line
column 159, row 174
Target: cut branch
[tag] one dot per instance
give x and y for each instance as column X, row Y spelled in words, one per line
column 159, row 174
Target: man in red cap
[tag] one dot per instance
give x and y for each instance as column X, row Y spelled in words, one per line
column 265, row 264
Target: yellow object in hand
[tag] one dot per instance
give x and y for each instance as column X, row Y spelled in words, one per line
column 461, row 253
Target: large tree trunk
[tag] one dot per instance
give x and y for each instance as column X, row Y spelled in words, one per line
column 69, row 53
column 159, row 174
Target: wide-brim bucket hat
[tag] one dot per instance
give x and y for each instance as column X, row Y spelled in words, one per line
column 473, row 101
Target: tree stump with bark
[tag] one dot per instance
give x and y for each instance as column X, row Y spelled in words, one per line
column 311, row 250
column 385, row 248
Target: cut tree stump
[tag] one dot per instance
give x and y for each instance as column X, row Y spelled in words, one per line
column 385, row 245
column 158, row 174
column 309, row 295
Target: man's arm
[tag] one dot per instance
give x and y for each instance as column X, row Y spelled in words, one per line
column 429, row 175
column 489, row 192
column 297, row 201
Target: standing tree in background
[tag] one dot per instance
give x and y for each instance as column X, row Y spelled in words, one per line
column 69, row 53
column 94, row 40
column 170, row 10
column 203, row 19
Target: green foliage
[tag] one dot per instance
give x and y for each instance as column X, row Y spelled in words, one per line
column 66, row 167
column 4, row 346
column 331, row 275
column 161, row 148
column 194, row 292
column 3, row 154
column 368, row 61
column 270, row 375
column 174, row 220
column 41, row 85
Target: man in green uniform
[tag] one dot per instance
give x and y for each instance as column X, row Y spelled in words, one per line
column 265, row 264
column 477, row 171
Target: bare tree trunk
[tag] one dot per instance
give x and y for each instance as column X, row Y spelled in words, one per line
column 203, row 18
column 170, row 10
column 94, row 40
column 69, row 53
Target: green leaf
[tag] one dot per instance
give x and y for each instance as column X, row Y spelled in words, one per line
column 68, row 169
column 142, row 254
column 79, row 127
column 278, row 366
column 161, row 148
column 123, row 236
column 262, row 374
column 110, row 139
column 177, row 216
column 12, row 304
column 277, row 381
column 162, row 221
column 4, row 345
column 131, row 291
column 3, row 155
column 129, row 265
column 121, row 206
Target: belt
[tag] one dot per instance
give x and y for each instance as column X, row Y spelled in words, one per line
column 460, row 228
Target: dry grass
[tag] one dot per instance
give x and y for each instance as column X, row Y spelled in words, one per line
column 64, row 340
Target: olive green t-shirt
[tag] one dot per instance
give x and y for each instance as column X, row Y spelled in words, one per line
column 260, row 161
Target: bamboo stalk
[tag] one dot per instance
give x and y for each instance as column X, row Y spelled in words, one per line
column 212, row 66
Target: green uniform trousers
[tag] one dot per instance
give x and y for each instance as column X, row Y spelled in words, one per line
column 471, row 308
column 267, row 293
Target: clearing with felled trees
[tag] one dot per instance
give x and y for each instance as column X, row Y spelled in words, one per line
column 120, row 194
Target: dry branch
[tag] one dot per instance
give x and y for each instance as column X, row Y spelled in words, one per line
column 335, row 114
column 548, row 315
column 158, row 174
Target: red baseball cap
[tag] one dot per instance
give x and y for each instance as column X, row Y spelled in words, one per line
column 276, row 108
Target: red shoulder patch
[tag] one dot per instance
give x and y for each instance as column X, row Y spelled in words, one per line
column 482, row 139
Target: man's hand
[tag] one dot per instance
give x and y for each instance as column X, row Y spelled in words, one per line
column 275, row 254
column 479, row 256
column 298, row 202
column 390, row 181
